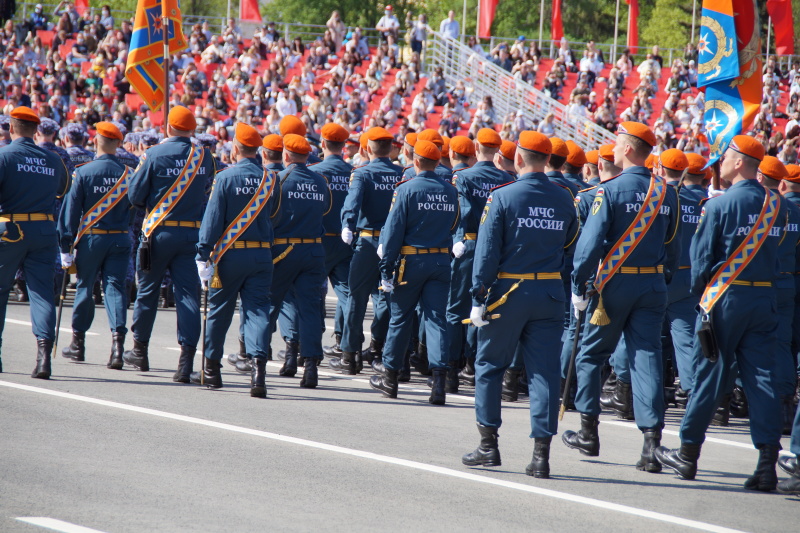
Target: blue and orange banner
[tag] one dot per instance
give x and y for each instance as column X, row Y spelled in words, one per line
column 729, row 67
column 145, row 67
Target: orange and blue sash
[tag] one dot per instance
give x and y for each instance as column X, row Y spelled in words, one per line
column 742, row 256
column 175, row 193
column 104, row 205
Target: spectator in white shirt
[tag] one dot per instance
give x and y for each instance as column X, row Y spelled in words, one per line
column 449, row 27
column 285, row 106
column 388, row 24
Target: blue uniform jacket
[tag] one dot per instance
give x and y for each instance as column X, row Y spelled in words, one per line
column 337, row 173
column 616, row 204
column 370, row 195
column 575, row 179
column 691, row 196
column 794, row 198
column 583, row 201
column 787, row 250
column 526, row 227
column 474, row 184
column 31, row 178
column 233, row 190
column 80, row 155
column 89, row 184
column 724, row 223
column 302, row 200
column 424, row 214
column 60, row 152
column 159, row 168
column 127, row 158
column 441, row 171
column 557, row 177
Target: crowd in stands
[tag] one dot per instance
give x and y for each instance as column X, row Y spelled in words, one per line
column 70, row 68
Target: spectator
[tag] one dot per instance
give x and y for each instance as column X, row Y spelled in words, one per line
column 38, row 20
column 337, row 29
column 449, row 27
column 106, row 20
column 657, row 57
column 388, row 24
column 419, row 33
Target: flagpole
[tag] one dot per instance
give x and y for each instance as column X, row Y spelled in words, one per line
column 694, row 17
column 464, row 23
column 541, row 23
column 616, row 34
column 165, row 31
column 769, row 34
column 478, row 22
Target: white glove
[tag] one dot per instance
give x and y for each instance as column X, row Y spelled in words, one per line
column 387, row 285
column 205, row 270
column 380, row 251
column 347, row 235
column 579, row 303
column 476, row 315
column 66, row 260
column 459, row 248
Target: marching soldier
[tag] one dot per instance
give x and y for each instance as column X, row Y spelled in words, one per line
column 633, row 222
column 734, row 265
column 292, row 124
column 93, row 231
column 415, row 268
column 525, row 228
column 5, row 130
column 445, row 161
column 131, row 139
column 504, row 158
column 573, row 167
column 31, row 178
column 299, row 257
column 430, row 135
column 233, row 253
column 365, row 210
column 170, row 185
column 556, row 164
column 473, row 186
column 76, row 137
column 790, row 464
column 591, row 172
column 790, row 188
column 462, row 152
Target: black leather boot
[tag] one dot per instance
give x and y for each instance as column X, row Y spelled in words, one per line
column 787, row 407
column 185, row 364
column 258, row 378
column 587, row 440
column 621, row 401
column 540, row 462
column 310, row 375
column 97, row 293
column 788, row 464
column 375, row 351
column 566, row 396
column 681, row 397
column 739, row 408
column 404, row 374
column 336, row 349
column 386, row 382
column 791, row 485
column 346, row 364
column 77, row 348
column 420, row 360
column 765, row 478
column 137, row 357
column 43, row 368
column 648, row 461
column 437, row 390
column 163, row 301
column 610, row 384
column 682, row 460
column 510, row 390
column 723, row 414
column 21, row 290
column 212, row 377
column 467, row 374
column 451, row 384
column 289, row 368
column 487, row 453
column 117, row 348
column 240, row 356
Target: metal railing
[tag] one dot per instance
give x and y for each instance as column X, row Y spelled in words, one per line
column 484, row 78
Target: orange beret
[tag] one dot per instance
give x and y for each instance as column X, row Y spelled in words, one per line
column 292, row 124
column 535, row 142
column 607, row 152
column 744, row 144
column 489, row 137
column 640, row 131
column 591, row 157
column 379, row 134
column 362, row 141
column 182, row 119
column 772, row 167
column 650, row 162
column 25, row 113
column 508, row 149
column 462, row 145
column 674, row 159
column 576, row 157
column 273, row 142
column 559, row 147
column 247, row 135
column 696, row 163
column 431, row 135
column 793, row 173
column 427, row 150
column 296, row 143
column 445, row 146
column 107, row 129
column 411, row 138
column 334, row 132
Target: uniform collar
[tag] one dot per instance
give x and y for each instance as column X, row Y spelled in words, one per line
column 248, row 161
column 427, row 174
column 554, row 174
column 538, row 176
column 792, row 195
column 106, row 157
column 384, row 160
column 483, row 164
column 694, row 187
column 332, row 157
column 636, row 171
column 23, row 140
column 747, row 183
column 460, row 166
column 184, row 140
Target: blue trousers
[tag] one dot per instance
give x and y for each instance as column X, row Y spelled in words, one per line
column 796, row 324
column 173, row 248
column 363, row 281
column 288, row 321
column 794, row 444
column 33, row 253
column 463, row 339
column 107, row 255
column 785, row 365
column 427, row 278
column 681, row 317
column 635, row 304
column 246, row 273
column 302, row 271
column 530, row 323
column 745, row 321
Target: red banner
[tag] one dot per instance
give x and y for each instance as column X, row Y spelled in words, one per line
column 780, row 11
column 633, row 26
column 81, row 6
column 556, row 25
column 487, row 9
column 249, row 11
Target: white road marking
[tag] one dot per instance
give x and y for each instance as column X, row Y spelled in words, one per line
column 56, row 525
column 565, row 496
column 26, row 323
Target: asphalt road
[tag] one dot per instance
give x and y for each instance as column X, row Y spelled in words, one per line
column 127, row 451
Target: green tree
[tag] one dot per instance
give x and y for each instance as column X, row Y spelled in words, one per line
column 669, row 24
